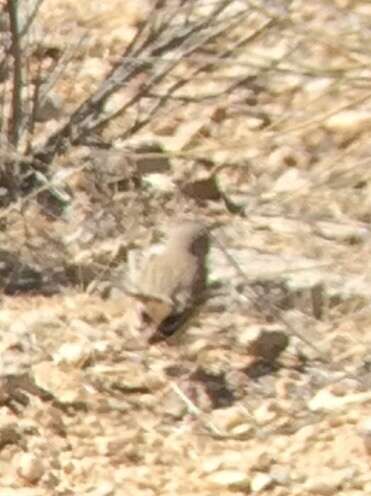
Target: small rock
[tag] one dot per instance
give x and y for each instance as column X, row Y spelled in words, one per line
column 160, row 182
column 228, row 419
column 51, row 418
column 211, row 464
column 266, row 344
column 94, row 68
column 30, row 467
column 75, row 354
column 320, row 486
column 306, row 434
column 261, row 481
column 242, row 431
column 317, row 86
column 349, row 121
column 280, row 474
column 265, row 414
column 286, row 156
column 230, row 478
column 343, row 232
column 260, row 459
column 365, row 432
column 117, row 445
column 21, row 491
column 150, row 157
column 362, row 9
column 329, row 483
column 291, row 180
column 203, row 189
column 174, row 406
column 228, row 459
column 66, row 386
column 326, row 400
column 255, row 123
column 105, row 488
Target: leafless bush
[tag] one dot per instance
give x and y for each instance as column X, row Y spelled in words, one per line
column 240, row 60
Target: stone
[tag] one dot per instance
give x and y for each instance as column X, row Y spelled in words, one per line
column 30, row 467
column 328, row 483
column 267, row 344
column 229, row 479
column 261, row 481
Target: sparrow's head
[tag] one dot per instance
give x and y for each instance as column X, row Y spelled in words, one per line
column 190, row 236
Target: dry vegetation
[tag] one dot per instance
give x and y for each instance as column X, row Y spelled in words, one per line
column 119, row 115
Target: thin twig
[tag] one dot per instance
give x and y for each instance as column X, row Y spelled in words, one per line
column 17, row 72
column 30, row 19
column 179, row 42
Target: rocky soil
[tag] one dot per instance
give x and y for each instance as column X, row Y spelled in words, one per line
column 268, row 391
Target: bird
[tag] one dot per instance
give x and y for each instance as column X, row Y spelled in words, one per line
column 172, row 285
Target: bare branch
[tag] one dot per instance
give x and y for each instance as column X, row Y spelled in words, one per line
column 17, row 72
column 28, row 22
column 168, row 39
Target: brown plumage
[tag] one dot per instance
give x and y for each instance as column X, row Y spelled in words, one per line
column 172, row 284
